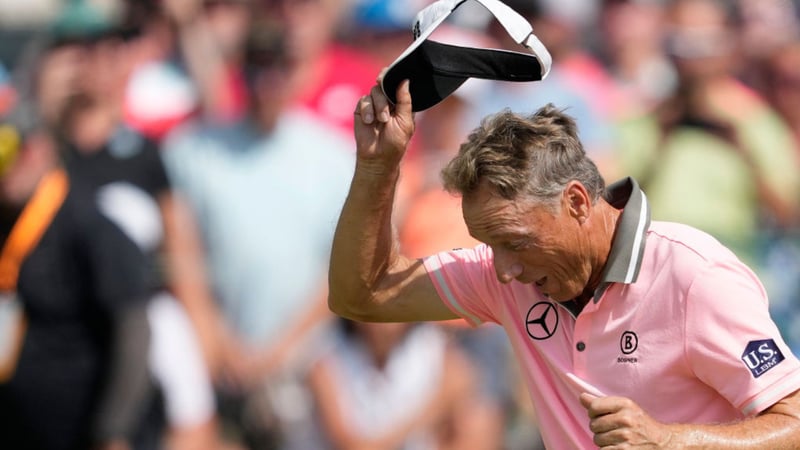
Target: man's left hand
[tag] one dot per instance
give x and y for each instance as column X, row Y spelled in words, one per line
column 618, row 422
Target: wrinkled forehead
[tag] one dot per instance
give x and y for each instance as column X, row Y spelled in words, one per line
column 479, row 197
column 485, row 209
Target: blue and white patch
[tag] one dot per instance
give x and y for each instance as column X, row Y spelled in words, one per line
column 761, row 356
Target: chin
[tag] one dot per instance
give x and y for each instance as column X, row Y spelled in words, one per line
column 561, row 297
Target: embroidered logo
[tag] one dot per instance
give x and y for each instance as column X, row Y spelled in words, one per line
column 761, row 356
column 628, row 343
column 542, row 320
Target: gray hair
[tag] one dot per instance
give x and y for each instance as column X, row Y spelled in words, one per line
column 533, row 156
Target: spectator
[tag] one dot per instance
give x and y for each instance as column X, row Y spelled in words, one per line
column 189, row 65
column 782, row 255
column 325, row 73
column 83, row 294
column 713, row 121
column 399, row 386
column 265, row 191
column 123, row 172
column 766, row 26
column 783, row 85
column 631, row 34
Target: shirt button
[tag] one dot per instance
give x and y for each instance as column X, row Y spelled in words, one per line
column 580, row 346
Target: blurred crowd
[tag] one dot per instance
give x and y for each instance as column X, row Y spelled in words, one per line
column 216, row 135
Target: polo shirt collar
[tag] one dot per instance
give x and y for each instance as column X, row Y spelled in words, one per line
column 627, row 248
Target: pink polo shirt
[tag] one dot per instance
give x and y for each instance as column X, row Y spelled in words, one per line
column 680, row 326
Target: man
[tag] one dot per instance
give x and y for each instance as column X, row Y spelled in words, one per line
column 654, row 330
column 265, row 191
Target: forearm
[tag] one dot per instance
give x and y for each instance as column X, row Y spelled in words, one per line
column 769, row 432
column 364, row 243
column 188, row 280
column 617, row 421
column 127, row 382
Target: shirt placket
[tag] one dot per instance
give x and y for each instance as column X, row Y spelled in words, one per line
column 581, row 339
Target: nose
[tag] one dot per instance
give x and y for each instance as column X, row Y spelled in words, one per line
column 506, row 267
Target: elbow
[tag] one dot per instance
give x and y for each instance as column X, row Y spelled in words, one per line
column 351, row 306
column 342, row 308
column 336, row 306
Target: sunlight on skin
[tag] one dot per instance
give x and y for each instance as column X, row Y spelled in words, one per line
column 556, row 250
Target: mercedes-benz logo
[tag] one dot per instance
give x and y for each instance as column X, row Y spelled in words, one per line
column 542, row 321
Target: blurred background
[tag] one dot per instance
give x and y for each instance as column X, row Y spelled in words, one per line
column 218, row 135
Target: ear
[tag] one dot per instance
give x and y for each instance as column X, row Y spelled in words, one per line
column 577, row 201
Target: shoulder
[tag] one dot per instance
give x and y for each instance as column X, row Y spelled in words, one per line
column 202, row 146
column 183, row 135
column 682, row 238
column 80, row 222
column 689, row 254
column 475, row 257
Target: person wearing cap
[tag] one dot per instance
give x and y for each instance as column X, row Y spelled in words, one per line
column 629, row 332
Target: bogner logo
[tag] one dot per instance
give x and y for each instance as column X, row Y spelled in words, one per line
column 628, row 343
column 760, row 356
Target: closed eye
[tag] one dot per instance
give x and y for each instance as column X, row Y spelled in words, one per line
column 517, row 245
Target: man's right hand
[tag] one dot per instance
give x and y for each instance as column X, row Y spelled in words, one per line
column 383, row 130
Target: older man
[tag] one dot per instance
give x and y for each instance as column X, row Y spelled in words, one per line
column 630, row 333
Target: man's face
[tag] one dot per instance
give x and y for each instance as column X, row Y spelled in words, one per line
column 531, row 242
column 75, row 75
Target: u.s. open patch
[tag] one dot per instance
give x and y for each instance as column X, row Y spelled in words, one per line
column 760, row 356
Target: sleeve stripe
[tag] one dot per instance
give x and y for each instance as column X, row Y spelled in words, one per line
column 451, row 300
column 775, row 392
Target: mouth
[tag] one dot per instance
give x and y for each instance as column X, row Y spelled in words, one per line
column 540, row 285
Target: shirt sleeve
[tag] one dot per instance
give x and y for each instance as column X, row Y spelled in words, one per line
column 465, row 280
column 732, row 343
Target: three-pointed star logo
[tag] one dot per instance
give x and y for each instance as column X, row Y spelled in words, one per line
column 542, row 320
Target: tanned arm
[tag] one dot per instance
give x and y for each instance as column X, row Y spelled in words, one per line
column 369, row 279
column 619, row 423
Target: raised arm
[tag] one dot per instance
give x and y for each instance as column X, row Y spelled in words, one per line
column 369, row 279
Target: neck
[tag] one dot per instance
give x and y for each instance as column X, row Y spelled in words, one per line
column 607, row 218
column 92, row 128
